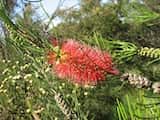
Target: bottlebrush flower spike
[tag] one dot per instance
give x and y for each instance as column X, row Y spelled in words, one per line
column 81, row 63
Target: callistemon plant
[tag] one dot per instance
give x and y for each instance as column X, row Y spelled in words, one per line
column 80, row 63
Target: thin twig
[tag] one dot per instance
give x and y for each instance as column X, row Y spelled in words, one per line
column 33, row 0
column 41, row 5
column 54, row 13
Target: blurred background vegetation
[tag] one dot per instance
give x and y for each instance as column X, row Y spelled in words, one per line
column 27, row 84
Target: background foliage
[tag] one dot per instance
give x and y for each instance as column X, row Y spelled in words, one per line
column 120, row 26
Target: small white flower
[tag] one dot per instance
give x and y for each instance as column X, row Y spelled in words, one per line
column 4, row 91
column 10, row 100
column 30, row 81
column 17, row 62
column 25, row 66
column 10, row 77
column 28, row 88
column 17, row 87
column 13, row 67
column 16, row 77
column 42, row 57
column 85, row 93
column 18, row 72
column 1, row 91
column 5, row 79
column 1, row 86
column 5, row 70
column 67, row 95
column 13, row 81
column 28, row 110
column 63, row 84
column 47, row 70
column 38, row 60
column 21, row 67
column 3, row 61
column 73, row 91
column 27, row 76
column 36, row 74
column 60, row 87
column 42, row 90
column 55, row 118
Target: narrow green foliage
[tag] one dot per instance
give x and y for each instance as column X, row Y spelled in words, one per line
column 5, row 17
column 24, row 44
column 121, row 111
column 130, row 108
column 138, row 108
column 136, row 13
column 121, row 51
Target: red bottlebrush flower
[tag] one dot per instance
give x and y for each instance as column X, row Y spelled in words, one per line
column 81, row 63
